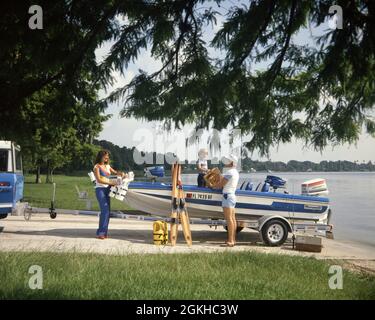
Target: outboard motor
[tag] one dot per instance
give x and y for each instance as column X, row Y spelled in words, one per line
column 154, row 172
column 275, row 182
column 315, row 187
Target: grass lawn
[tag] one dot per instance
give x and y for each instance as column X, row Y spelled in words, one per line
column 245, row 275
column 40, row 195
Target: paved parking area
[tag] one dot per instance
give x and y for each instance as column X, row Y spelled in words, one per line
column 77, row 233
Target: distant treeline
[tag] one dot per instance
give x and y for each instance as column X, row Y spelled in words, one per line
column 122, row 157
column 301, row 166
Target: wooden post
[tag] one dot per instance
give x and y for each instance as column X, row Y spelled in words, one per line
column 174, row 213
column 183, row 214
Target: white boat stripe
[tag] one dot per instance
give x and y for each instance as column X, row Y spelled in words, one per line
column 142, row 202
column 255, row 200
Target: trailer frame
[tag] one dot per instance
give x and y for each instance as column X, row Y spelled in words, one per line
column 271, row 221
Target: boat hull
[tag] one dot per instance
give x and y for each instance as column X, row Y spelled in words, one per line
column 155, row 199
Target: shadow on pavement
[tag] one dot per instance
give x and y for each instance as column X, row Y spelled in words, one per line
column 145, row 236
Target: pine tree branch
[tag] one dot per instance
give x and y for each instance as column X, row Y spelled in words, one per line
column 237, row 63
column 71, row 67
column 276, row 66
column 172, row 56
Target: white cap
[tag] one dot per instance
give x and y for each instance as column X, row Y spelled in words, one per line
column 230, row 158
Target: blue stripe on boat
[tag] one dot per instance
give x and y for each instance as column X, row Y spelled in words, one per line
column 276, row 206
column 190, row 188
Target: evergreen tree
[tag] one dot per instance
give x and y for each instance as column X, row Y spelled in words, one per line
column 321, row 93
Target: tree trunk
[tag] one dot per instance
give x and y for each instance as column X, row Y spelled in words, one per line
column 37, row 178
column 48, row 177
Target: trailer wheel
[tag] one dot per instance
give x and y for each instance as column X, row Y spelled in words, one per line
column 3, row 215
column 274, row 233
column 238, row 230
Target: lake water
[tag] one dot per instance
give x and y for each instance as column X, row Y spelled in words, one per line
column 352, row 197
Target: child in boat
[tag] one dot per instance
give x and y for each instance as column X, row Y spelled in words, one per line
column 202, row 167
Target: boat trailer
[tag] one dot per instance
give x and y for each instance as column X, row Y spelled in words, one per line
column 270, row 227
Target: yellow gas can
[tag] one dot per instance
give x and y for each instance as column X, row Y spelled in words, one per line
column 160, row 232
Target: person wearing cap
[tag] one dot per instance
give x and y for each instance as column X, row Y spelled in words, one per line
column 202, row 167
column 228, row 183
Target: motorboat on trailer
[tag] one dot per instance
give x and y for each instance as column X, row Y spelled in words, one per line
column 264, row 208
column 205, row 203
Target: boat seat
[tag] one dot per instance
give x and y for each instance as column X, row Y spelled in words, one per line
column 249, row 186
column 266, row 187
column 263, row 187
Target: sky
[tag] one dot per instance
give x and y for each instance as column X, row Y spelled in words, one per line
column 147, row 135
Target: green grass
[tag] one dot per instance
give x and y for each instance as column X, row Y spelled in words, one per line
column 176, row 276
column 40, row 195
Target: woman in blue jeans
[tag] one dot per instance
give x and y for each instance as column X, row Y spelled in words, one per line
column 102, row 172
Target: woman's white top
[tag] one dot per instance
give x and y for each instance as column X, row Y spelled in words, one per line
column 232, row 176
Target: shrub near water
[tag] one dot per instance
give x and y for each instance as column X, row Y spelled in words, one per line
column 194, row 276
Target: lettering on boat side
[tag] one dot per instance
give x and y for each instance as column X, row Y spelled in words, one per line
column 201, row 196
column 312, row 207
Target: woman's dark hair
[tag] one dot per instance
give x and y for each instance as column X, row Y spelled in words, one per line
column 100, row 155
